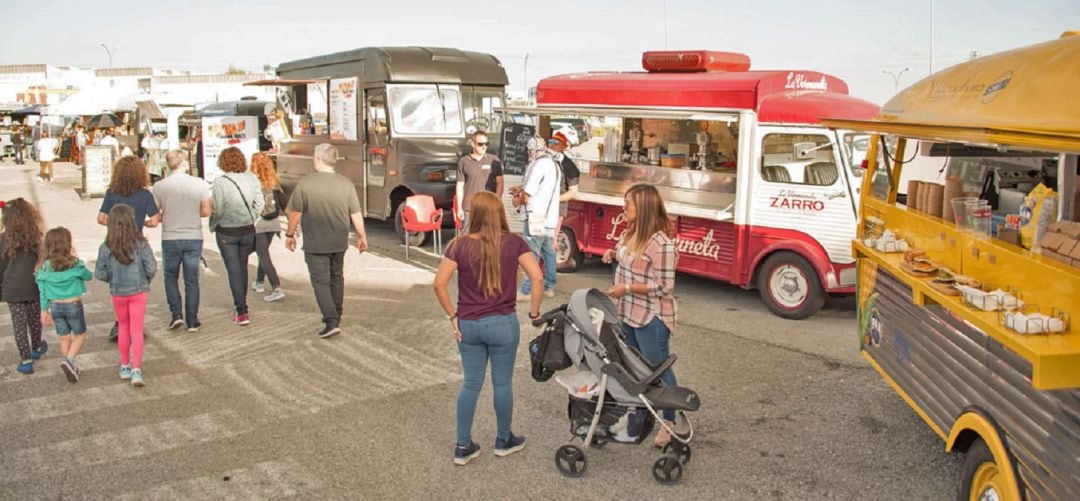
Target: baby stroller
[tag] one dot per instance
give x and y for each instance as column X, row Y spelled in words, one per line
column 615, row 393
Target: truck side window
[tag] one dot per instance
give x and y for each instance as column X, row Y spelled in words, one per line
column 798, row 159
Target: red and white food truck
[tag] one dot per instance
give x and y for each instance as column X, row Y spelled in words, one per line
column 762, row 195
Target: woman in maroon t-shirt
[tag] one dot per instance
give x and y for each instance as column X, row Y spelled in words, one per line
column 485, row 324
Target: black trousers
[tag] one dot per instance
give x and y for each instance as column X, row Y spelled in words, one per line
column 26, row 321
column 328, row 281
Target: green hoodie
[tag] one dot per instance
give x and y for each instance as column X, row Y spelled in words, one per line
column 62, row 284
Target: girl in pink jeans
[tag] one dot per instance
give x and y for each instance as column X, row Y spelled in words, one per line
column 127, row 263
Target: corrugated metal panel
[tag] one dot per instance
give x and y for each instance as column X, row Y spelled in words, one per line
column 944, row 364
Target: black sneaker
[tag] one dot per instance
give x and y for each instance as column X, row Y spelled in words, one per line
column 194, row 327
column 509, row 446
column 465, row 453
column 329, row 331
column 177, row 322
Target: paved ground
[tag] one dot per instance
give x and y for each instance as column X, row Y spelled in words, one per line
column 269, row 411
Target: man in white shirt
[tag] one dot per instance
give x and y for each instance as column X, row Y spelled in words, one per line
column 539, row 199
column 109, row 140
column 183, row 200
column 46, row 153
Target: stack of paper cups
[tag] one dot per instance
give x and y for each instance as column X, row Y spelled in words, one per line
column 954, row 188
column 935, row 202
column 912, row 193
column 924, row 190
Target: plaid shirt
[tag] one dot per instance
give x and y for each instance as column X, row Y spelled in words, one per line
column 655, row 267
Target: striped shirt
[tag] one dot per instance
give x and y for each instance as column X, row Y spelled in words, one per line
column 654, row 267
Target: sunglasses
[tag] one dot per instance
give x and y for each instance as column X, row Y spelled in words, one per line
column 481, row 144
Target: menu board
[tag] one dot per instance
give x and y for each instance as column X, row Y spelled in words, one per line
column 515, row 151
column 97, row 164
column 222, row 132
column 343, row 108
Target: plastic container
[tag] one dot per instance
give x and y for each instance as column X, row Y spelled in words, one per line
column 960, row 211
column 979, row 216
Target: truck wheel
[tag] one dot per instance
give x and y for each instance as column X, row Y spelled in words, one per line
column 415, row 238
column 568, row 256
column 790, row 286
column 980, row 477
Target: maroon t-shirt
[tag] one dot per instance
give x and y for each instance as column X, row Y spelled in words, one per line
column 472, row 304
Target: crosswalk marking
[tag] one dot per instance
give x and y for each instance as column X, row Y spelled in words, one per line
column 269, row 480
column 93, row 399
column 50, row 366
column 125, row 443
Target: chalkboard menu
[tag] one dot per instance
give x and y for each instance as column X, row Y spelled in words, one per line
column 515, row 151
column 96, row 170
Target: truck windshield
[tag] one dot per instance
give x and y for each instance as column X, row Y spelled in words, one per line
column 425, row 110
column 856, row 146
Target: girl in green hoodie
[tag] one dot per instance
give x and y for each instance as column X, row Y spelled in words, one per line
column 62, row 281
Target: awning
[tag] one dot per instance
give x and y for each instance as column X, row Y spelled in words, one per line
column 625, row 112
column 150, row 110
column 284, row 82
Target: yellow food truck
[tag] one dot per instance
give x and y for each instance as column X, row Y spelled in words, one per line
column 973, row 331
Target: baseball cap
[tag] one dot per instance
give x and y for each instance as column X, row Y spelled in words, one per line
column 559, row 138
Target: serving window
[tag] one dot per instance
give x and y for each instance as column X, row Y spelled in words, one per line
column 307, row 106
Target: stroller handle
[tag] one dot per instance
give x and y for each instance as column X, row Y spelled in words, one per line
column 547, row 317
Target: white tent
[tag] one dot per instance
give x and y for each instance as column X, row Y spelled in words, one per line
column 91, row 101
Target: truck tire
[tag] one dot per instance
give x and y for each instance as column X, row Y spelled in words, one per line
column 567, row 253
column 790, row 287
column 980, row 477
column 414, row 239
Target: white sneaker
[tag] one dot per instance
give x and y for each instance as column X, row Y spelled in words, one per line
column 257, row 287
column 277, row 295
column 549, row 293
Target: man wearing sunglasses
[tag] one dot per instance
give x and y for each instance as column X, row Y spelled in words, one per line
column 477, row 172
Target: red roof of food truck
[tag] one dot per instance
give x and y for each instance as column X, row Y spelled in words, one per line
column 782, row 96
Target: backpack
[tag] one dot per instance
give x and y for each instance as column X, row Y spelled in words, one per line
column 274, row 203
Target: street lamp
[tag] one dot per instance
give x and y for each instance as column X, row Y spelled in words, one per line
column 108, row 52
column 896, row 78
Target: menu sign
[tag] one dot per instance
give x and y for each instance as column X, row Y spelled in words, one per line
column 97, row 164
column 222, row 132
column 515, row 151
column 343, row 108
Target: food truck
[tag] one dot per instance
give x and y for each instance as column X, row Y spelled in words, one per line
column 762, row 195
column 399, row 117
column 972, row 331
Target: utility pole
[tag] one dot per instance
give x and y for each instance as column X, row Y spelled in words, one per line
column 665, row 25
column 896, row 78
column 931, row 37
column 525, row 77
column 108, row 52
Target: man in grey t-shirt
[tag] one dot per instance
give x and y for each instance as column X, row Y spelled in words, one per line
column 325, row 205
column 183, row 201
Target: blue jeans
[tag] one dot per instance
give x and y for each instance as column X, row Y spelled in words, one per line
column 652, row 342
column 68, row 318
column 543, row 249
column 496, row 338
column 186, row 254
column 234, row 252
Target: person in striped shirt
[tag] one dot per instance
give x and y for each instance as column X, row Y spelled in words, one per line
column 645, row 280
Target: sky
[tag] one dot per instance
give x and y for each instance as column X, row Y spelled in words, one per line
column 856, row 41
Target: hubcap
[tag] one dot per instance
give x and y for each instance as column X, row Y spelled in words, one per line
column 562, row 248
column 788, row 286
column 984, row 484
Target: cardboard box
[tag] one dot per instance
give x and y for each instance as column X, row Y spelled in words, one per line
column 1052, row 241
column 1075, row 254
column 1066, row 248
column 1070, row 229
column 1006, row 235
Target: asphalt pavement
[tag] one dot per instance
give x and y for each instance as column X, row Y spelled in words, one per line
column 269, row 411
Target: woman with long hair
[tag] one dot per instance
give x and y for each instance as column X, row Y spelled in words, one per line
column 485, row 323
column 237, row 203
column 645, row 280
column 126, row 262
column 268, row 225
column 20, row 248
column 129, row 185
column 62, row 281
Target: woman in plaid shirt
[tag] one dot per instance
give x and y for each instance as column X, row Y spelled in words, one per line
column 645, row 279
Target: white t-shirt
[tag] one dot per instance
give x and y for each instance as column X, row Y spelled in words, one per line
column 542, row 186
column 110, row 141
column 47, row 149
column 80, row 139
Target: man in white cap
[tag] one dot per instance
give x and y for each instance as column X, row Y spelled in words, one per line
column 538, row 201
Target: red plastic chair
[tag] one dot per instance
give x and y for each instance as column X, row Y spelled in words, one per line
column 420, row 214
column 457, row 220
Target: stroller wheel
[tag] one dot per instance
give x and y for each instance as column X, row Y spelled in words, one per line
column 667, row 470
column 570, row 461
column 679, row 450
